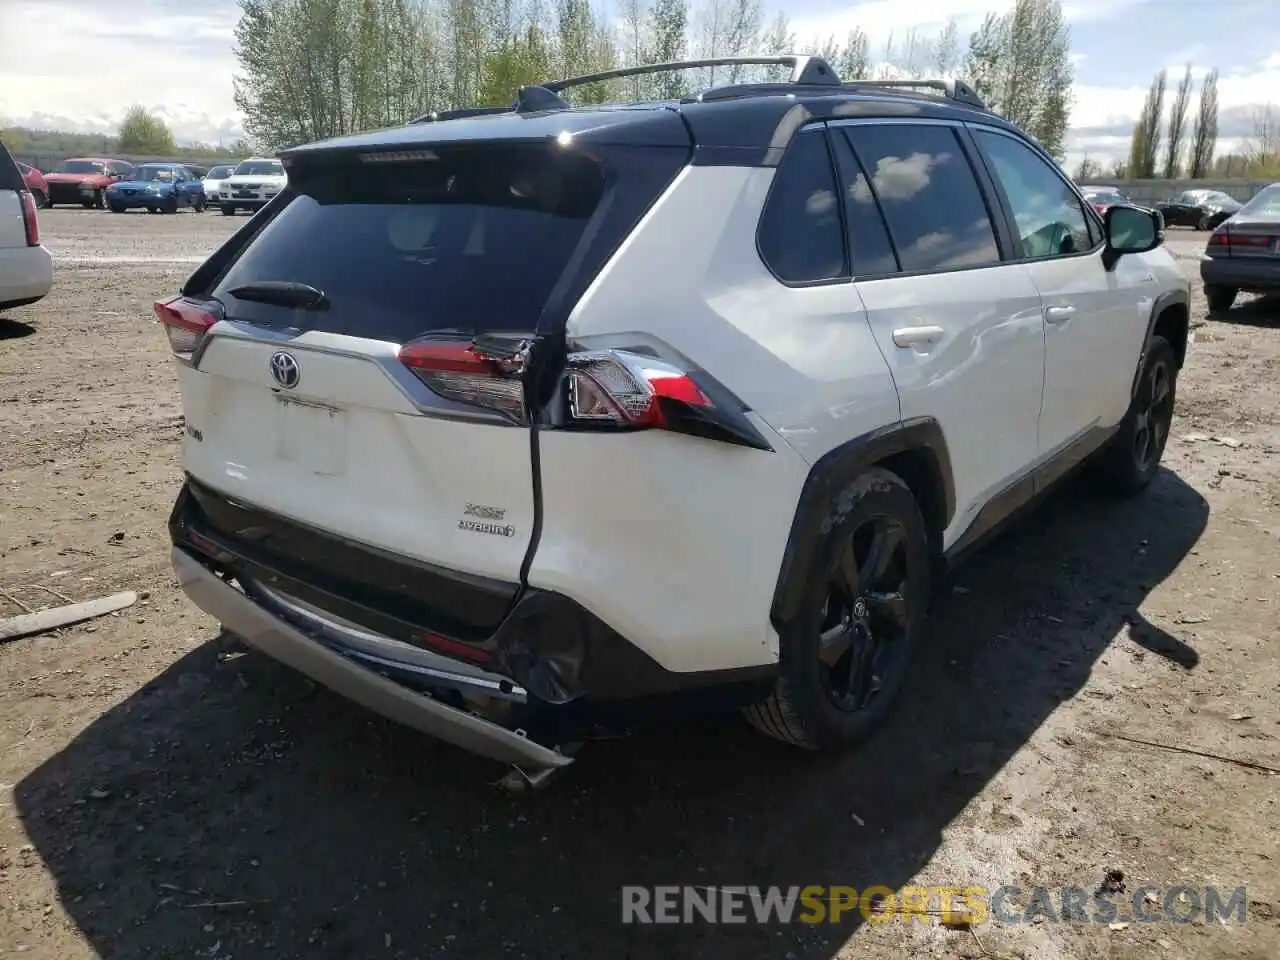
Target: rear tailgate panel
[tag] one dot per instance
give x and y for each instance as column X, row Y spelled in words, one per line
column 359, row 448
column 349, row 450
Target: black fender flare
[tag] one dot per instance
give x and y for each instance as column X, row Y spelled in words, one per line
column 819, row 509
column 1179, row 296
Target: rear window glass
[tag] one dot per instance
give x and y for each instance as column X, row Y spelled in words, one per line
column 1265, row 204
column 80, row 166
column 260, row 168
column 473, row 240
column 10, row 175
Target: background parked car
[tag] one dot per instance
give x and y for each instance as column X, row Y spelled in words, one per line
column 1103, row 198
column 1244, row 252
column 34, row 180
column 254, row 182
column 84, row 180
column 157, row 188
column 213, row 181
column 1202, row 209
column 26, row 269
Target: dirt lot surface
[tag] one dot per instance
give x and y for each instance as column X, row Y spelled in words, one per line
column 165, row 794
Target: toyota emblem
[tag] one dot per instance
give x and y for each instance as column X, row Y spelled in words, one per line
column 284, row 370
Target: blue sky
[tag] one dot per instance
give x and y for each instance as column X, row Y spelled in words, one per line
column 74, row 66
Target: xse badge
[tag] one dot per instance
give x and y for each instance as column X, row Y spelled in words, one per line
column 485, row 521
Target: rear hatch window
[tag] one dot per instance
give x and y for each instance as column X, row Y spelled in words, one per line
column 471, row 238
column 10, row 175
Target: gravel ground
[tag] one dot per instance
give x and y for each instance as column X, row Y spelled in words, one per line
column 166, row 794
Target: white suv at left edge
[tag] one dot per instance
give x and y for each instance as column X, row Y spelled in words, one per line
column 26, row 269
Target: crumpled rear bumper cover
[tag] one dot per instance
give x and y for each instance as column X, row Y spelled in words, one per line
column 281, row 641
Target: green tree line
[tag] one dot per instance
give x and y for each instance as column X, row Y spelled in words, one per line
column 318, row 68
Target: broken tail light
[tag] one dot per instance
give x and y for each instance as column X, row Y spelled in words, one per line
column 606, row 390
column 465, row 373
column 185, row 323
column 624, row 390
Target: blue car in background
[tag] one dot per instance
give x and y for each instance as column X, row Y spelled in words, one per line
column 159, row 188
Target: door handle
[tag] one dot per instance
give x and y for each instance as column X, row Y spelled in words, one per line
column 917, row 336
column 1059, row 314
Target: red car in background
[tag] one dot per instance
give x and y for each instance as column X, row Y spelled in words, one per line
column 84, row 180
column 1104, row 198
column 34, row 180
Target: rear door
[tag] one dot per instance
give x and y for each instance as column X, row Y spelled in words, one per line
column 961, row 330
column 320, row 412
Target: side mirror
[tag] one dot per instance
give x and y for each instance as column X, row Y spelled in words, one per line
column 1131, row 229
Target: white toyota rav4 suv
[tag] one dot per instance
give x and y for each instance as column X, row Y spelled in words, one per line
column 522, row 426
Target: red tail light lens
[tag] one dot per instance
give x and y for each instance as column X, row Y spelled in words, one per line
column 461, row 372
column 620, row 389
column 1248, row 240
column 185, row 323
column 1219, row 238
column 29, row 218
column 627, row 389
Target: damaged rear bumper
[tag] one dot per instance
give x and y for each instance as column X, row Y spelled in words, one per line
column 266, row 631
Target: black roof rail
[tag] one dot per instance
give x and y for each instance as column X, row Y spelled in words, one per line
column 956, row 90
column 804, row 69
column 437, row 116
column 807, row 72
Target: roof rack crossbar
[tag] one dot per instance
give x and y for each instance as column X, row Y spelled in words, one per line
column 956, row 90
column 808, row 70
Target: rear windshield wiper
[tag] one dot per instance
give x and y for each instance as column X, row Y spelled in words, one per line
column 283, row 293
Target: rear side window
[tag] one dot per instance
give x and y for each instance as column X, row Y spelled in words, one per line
column 473, row 240
column 801, row 238
column 10, row 175
column 869, row 242
column 930, row 196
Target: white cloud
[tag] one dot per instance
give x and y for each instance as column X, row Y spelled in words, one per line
column 879, row 19
column 1118, row 107
column 85, row 70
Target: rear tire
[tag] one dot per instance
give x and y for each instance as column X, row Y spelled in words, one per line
column 1203, row 223
column 228, row 210
column 1131, row 460
column 170, row 207
column 846, row 654
column 99, row 200
column 41, row 200
column 116, row 208
column 1220, row 298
